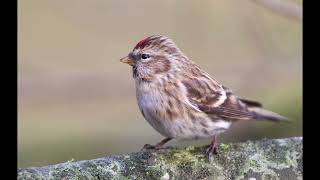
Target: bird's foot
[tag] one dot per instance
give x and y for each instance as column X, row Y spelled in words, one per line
column 148, row 147
column 158, row 146
column 211, row 151
column 153, row 147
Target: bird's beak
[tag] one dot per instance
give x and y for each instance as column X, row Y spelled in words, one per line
column 127, row 60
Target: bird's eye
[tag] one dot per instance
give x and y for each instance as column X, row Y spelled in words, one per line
column 145, row 56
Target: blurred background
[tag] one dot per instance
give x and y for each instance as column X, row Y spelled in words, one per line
column 77, row 101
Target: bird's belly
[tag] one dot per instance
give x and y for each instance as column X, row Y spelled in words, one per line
column 178, row 120
column 198, row 129
column 182, row 126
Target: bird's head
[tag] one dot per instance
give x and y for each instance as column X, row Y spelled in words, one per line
column 154, row 56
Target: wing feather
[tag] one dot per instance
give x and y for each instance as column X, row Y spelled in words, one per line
column 219, row 102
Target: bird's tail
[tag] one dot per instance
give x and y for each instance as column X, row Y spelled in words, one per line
column 263, row 114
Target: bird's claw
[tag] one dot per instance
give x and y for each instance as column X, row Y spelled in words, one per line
column 211, row 151
column 148, row 147
column 154, row 147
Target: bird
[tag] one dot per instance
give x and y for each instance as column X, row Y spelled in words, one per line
column 182, row 101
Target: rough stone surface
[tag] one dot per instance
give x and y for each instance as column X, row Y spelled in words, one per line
column 264, row 159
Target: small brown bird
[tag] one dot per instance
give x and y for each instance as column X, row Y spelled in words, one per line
column 182, row 101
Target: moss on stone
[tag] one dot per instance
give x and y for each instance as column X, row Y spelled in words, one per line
column 265, row 159
column 224, row 147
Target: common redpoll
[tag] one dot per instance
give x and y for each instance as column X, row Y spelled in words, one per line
column 182, row 101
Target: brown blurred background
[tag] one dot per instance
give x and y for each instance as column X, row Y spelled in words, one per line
column 77, row 101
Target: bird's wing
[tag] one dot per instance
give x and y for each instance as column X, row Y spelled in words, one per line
column 231, row 109
column 207, row 95
column 249, row 103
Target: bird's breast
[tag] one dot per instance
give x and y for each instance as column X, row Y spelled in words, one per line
column 152, row 106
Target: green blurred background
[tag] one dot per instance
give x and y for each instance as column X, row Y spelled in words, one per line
column 77, row 101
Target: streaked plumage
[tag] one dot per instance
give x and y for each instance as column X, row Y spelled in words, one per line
column 182, row 101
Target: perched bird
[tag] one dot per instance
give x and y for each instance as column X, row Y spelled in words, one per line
column 182, row 101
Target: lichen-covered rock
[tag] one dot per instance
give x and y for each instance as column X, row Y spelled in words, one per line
column 264, row 159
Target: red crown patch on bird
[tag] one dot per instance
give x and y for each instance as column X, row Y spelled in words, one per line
column 146, row 41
